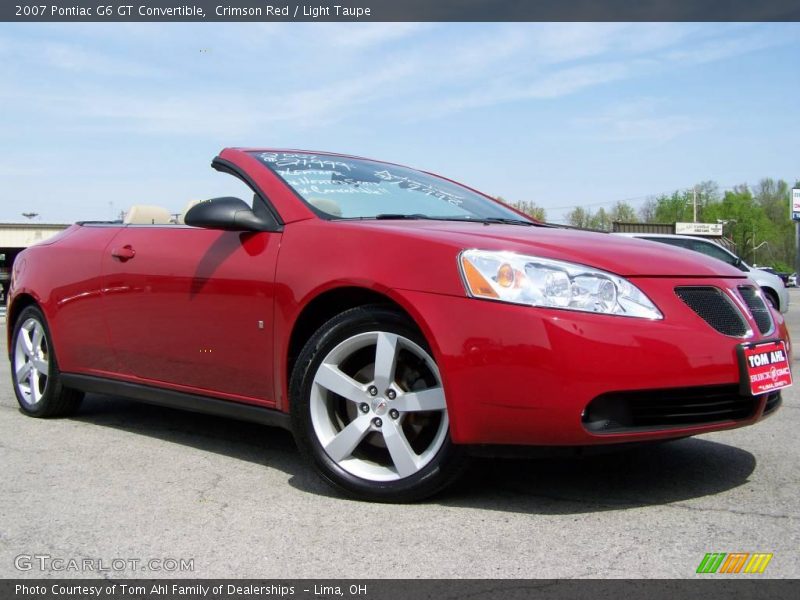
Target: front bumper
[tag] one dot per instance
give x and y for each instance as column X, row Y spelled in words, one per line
column 518, row 375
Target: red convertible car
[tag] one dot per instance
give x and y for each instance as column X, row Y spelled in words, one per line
column 396, row 321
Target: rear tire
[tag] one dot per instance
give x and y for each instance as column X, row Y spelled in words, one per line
column 37, row 381
column 368, row 408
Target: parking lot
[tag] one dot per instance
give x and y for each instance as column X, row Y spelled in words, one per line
column 135, row 482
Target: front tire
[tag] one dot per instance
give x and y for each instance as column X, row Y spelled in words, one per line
column 369, row 411
column 37, row 382
column 772, row 298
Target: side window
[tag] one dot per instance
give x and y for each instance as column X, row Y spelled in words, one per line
column 714, row 251
column 708, row 248
column 671, row 242
column 688, row 244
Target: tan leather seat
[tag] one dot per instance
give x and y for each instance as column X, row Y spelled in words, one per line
column 326, row 205
column 189, row 204
column 147, row 214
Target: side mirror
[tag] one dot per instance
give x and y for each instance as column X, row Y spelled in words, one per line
column 229, row 214
column 739, row 264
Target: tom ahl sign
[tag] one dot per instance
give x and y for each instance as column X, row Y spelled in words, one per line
column 796, row 204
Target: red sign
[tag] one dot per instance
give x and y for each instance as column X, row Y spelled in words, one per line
column 765, row 367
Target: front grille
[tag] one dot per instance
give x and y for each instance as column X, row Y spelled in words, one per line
column 773, row 402
column 715, row 308
column 759, row 310
column 660, row 409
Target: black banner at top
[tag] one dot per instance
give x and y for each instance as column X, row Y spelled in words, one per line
column 398, row 10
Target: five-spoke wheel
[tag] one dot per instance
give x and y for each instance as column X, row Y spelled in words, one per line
column 369, row 407
column 378, row 407
column 33, row 368
column 31, row 361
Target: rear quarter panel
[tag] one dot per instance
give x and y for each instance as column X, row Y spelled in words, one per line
column 63, row 276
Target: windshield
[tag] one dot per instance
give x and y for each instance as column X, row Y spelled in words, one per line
column 355, row 188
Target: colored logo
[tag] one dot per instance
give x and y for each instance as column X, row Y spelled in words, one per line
column 734, row 562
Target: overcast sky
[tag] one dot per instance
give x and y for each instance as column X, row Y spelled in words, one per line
column 95, row 117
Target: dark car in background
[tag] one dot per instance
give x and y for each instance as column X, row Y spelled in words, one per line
column 784, row 276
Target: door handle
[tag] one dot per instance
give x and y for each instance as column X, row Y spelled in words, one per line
column 124, row 253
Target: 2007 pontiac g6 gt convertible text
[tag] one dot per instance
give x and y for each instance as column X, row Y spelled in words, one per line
column 394, row 320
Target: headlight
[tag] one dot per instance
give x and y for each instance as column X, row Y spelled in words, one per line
column 520, row 279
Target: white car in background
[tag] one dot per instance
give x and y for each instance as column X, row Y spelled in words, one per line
column 772, row 285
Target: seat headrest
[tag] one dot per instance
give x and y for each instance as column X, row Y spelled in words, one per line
column 189, row 204
column 147, row 214
column 326, row 205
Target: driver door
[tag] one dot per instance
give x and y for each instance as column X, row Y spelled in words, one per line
column 192, row 309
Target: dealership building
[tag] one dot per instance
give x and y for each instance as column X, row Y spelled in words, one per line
column 14, row 238
column 712, row 231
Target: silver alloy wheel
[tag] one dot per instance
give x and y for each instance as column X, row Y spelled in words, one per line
column 31, row 362
column 377, row 406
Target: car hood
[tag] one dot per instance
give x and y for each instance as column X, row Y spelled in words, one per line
column 765, row 278
column 628, row 257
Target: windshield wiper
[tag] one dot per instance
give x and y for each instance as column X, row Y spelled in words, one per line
column 492, row 221
column 464, row 219
column 400, row 216
column 507, row 221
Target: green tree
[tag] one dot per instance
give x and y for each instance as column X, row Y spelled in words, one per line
column 647, row 211
column 600, row 220
column 774, row 197
column 623, row 213
column 579, row 217
column 530, row 208
column 674, row 208
column 680, row 205
column 748, row 225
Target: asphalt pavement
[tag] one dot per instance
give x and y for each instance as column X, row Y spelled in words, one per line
column 127, row 489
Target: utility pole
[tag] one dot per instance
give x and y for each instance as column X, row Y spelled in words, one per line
column 795, row 208
column 797, row 246
column 694, row 203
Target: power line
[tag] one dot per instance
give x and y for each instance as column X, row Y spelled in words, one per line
column 723, row 188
